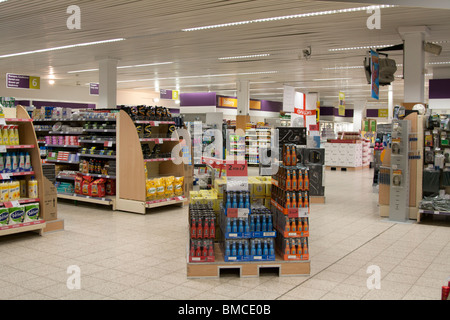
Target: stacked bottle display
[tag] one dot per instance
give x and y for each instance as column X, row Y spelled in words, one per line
column 290, row 206
column 248, row 234
column 202, row 233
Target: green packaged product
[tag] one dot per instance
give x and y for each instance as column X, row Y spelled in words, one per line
column 31, row 212
column 16, row 215
column 4, row 216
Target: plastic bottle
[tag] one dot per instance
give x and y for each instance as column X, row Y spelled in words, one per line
column 11, row 135
column 14, row 162
column 16, row 190
column 5, row 135
column 23, row 188
column 27, row 162
column 2, row 163
column 21, row 162
column 8, row 163
column 16, row 135
column 33, row 188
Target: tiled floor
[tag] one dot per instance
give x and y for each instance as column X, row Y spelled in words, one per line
column 131, row 256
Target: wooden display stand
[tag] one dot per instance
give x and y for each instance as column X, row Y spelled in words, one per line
column 246, row 268
column 47, row 205
column 131, row 180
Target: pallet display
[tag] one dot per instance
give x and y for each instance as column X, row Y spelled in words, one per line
column 245, row 236
column 82, row 146
column 25, row 195
column 142, row 140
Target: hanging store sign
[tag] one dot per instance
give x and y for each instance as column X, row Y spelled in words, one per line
column 342, row 104
column 94, row 89
column 17, row 81
column 375, row 80
column 169, row 94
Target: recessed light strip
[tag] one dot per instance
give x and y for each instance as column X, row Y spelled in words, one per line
column 359, row 48
column 123, row 67
column 246, row 57
column 293, row 16
column 61, row 48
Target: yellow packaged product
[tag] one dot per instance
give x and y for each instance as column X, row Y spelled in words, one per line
column 169, row 186
column 160, row 188
column 178, row 186
column 151, row 189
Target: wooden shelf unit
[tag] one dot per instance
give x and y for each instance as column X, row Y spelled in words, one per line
column 107, row 200
column 131, row 180
column 48, row 210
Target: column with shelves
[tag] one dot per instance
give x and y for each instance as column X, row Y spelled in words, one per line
column 144, row 152
column 45, row 219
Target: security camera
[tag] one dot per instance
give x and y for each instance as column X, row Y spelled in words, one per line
column 307, row 53
column 432, row 48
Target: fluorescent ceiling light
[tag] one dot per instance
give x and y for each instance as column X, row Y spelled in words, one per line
column 61, row 48
column 245, row 57
column 124, row 67
column 344, row 68
column 359, row 48
column 201, row 76
column 332, row 79
column 293, row 16
column 437, row 63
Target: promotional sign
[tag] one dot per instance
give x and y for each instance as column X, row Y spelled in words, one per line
column 383, row 113
column 18, row 81
column 169, row 94
column 237, row 175
column 341, row 103
column 288, row 99
column 375, row 68
column 318, row 112
column 229, row 102
column 94, row 89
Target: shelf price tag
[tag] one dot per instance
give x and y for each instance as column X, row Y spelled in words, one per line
column 2, row 148
column 12, row 204
column 107, row 144
column 297, row 212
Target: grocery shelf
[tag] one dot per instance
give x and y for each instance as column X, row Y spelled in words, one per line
column 108, row 200
column 6, row 176
column 153, row 123
column 23, row 227
column 21, row 201
column 23, row 146
column 158, row 159
column 168, row 201
column 436, row 212
column 62, row 161
column 62, row 146
column 102, row 156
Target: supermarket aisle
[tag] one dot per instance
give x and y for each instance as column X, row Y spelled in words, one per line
column 130, row 256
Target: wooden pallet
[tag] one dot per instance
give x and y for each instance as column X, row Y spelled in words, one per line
column 246, row 268
column 316, row 199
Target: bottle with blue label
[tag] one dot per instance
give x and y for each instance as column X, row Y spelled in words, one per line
column 241, row 225
column 246, row 252
column 227, row 249
column 258, row 248
column 271, row 249
column 253, row 248
column 263, row 224
column 240, row 249
column 234, row 225
column 233, row 249
column 258, row 224
column 241, row 200
column 228, row 204
column 266, row 249
column 228, row 230
column 269, row 223
column 235, row 203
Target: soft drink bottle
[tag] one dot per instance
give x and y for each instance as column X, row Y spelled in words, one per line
column 241, row 200
column 193, row 228
column 212, row 228
column 206, row 228
column 294, row 180
column 293, row 155
column 306, row 201
column 288, row 180
column 306, row 183
column 200, row 228
column 287, row 249
column 247, row 225
column 271, row 249
column 292, row 244
column 235, row 204
column 252, row 223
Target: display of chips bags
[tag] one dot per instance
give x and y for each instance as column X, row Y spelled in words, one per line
column 97, row 188
column 160, row 188
column 178, row 186
column 151, row 189
column 169, row 192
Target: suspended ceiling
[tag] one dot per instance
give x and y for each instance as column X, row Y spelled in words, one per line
column 153, row 33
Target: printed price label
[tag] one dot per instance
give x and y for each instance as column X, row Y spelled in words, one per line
column 237, row 212
column 2, row 148
column 107, row 144
column 237, row 169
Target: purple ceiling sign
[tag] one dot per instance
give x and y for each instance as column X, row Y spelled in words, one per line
column 439, row 89
column 94, row 89
column 73, row 105
column 198, row 99
column 372, row 113
column 165, row 94
column 17, row 81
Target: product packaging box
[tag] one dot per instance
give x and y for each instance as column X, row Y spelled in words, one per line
column 314, row 156
column 316, row 187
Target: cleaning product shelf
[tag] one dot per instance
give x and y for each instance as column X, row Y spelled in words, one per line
column 6, row 176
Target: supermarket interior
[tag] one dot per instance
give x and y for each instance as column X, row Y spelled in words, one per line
column 225, row 150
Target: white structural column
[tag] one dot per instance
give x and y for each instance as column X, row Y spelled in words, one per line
column 243, row 97
column 107, row 83
column 414, row 63
column 390, row 103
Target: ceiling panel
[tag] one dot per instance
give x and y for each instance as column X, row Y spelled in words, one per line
column 153, row 33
